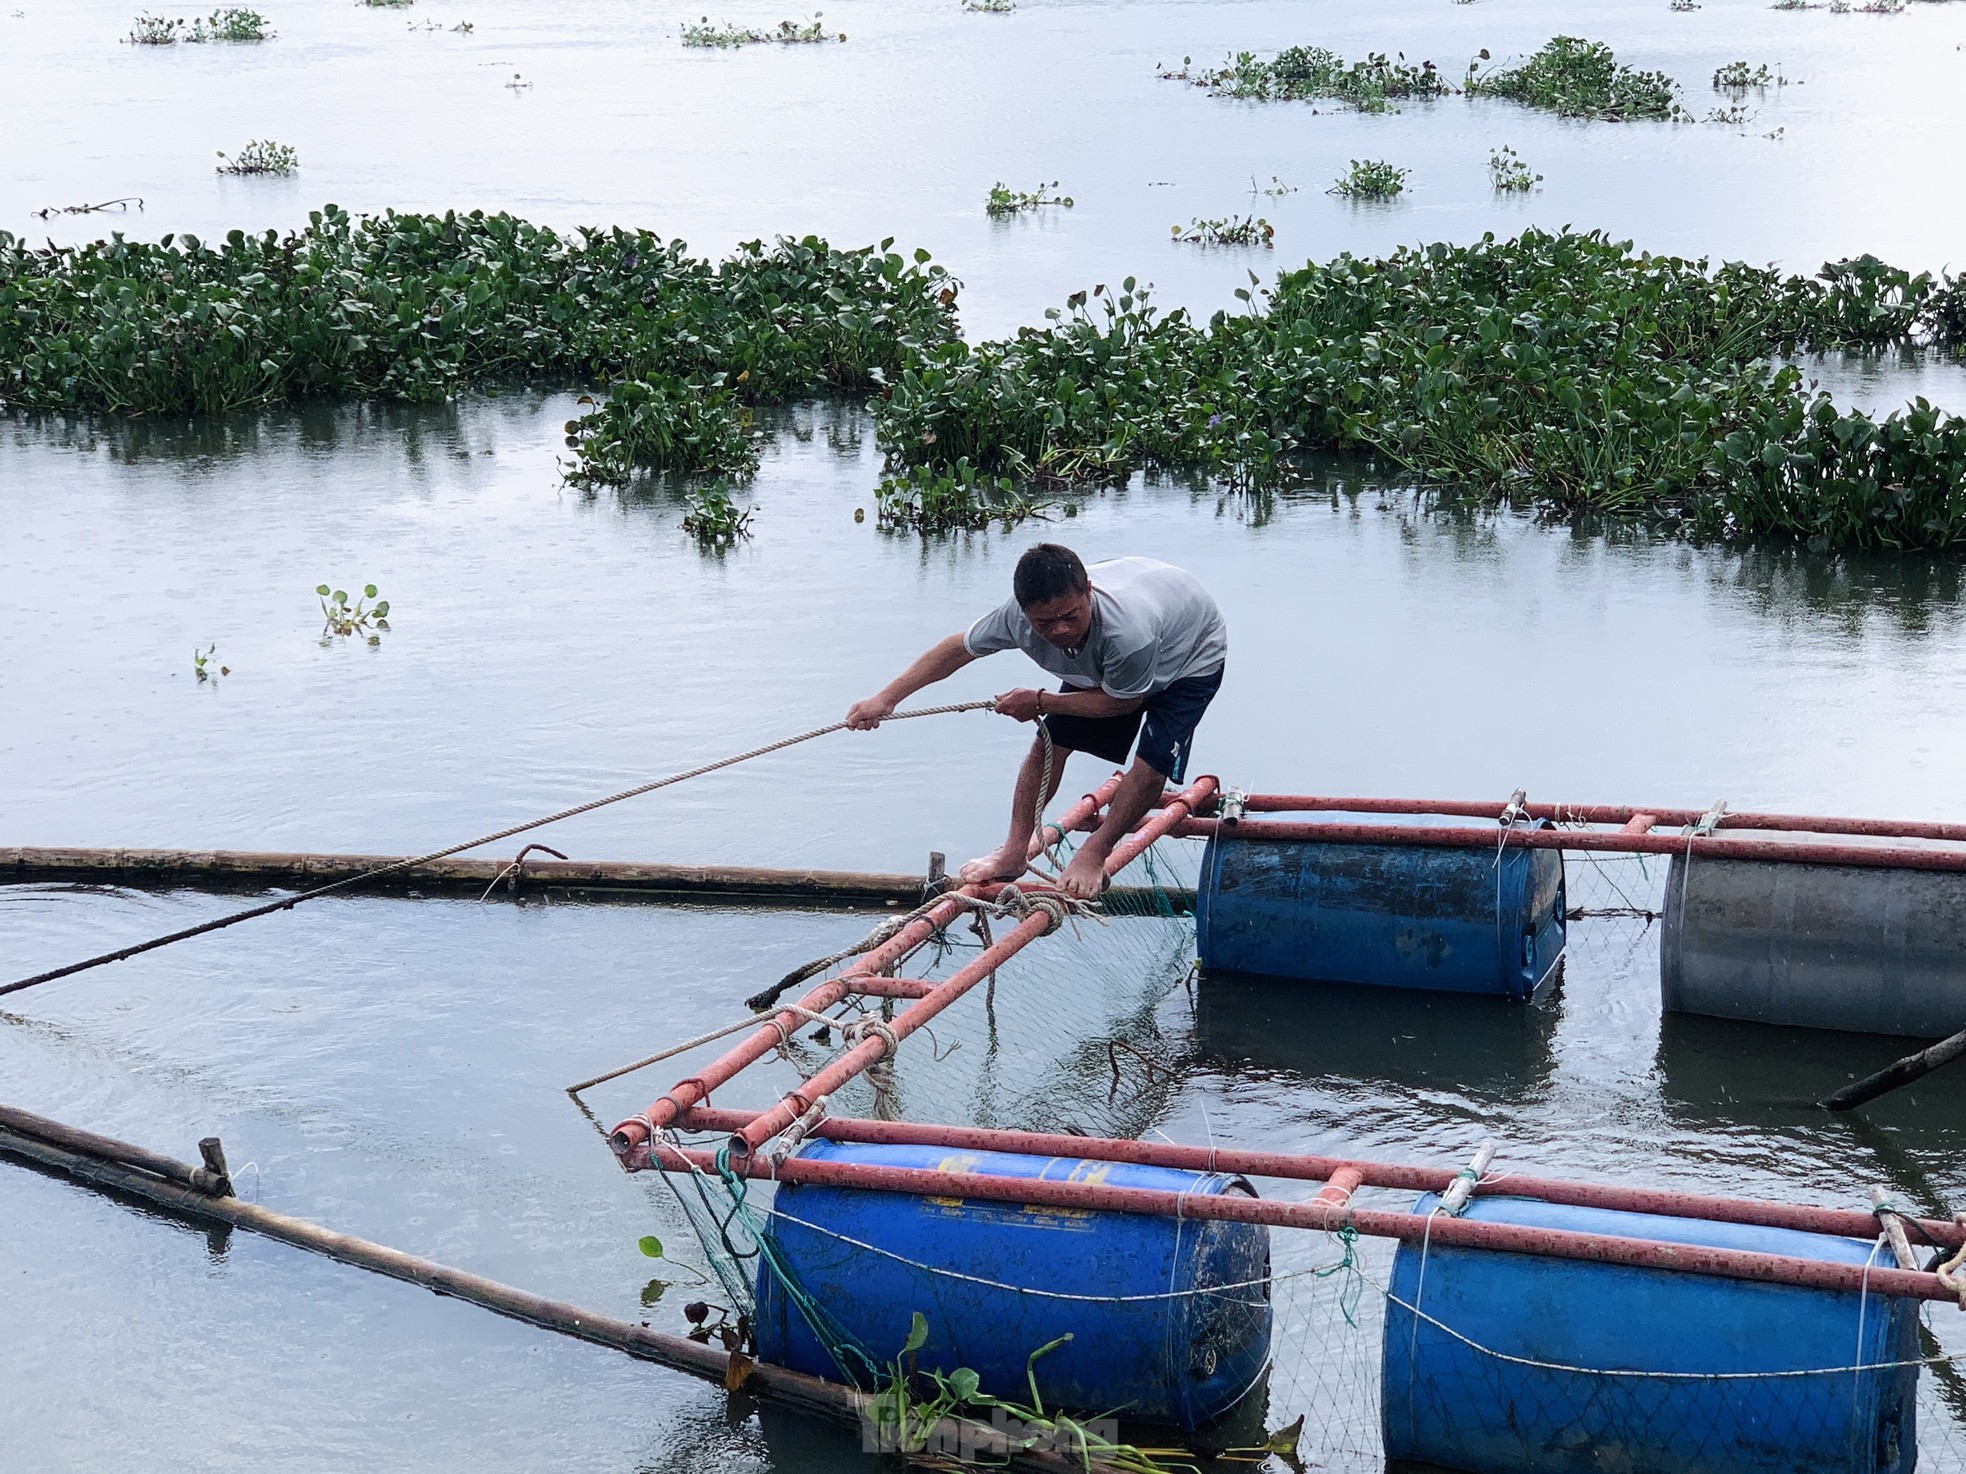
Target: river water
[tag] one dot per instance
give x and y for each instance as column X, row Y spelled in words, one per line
column 395, row 1068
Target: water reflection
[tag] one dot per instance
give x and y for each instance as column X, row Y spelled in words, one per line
column 1760, row 1077
column 1409, row 1042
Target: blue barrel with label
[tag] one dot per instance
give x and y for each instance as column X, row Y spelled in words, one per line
column 1518, row 1363
column 1169, row 1318
column 1488, row 921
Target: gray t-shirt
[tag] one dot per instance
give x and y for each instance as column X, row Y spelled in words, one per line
column 1152, row 624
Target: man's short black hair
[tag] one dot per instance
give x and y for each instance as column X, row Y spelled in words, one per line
column 1048, row 571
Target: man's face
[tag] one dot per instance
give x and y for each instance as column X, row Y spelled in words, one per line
column 1064, row 621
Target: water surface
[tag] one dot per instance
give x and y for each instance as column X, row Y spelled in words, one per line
column 395, row 1068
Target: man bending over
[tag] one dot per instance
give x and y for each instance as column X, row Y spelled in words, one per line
column 1139, row 646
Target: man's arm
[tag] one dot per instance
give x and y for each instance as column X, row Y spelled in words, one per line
column 1023, row 705
column 937, row 663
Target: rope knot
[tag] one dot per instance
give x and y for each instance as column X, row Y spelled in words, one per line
column 873, row 1028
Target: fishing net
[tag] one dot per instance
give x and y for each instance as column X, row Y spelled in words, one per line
column 1614, row 904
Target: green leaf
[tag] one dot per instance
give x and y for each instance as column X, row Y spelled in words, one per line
column 322, row 590
column 965, row 1384
column 650, row 1245
column 917, row 1334
column 368, row 591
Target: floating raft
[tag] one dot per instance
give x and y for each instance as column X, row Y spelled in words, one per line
column 1548, row 1324
column 1795, row 919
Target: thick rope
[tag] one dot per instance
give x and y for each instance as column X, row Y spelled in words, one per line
column 353, row 880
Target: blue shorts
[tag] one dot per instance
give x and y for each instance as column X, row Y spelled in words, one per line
column 1165, row 723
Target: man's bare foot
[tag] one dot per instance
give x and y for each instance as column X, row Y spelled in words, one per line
column 1004, row 864
column 1085, row 877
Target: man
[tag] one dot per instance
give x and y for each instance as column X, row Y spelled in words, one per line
column 1140, row 646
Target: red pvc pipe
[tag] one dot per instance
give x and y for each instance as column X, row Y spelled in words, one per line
column 877, row 987
column 1716, row 847
column 1273, row 803
column 1553, row 1243
column 1344, row 1182
column 1305, row 1168
column 637, row 1130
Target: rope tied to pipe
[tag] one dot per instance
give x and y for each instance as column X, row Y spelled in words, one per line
column 1010, row 902
column 1948, row 1272
column 870, row 1027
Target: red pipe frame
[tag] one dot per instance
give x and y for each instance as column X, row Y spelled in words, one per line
column 687, row 1103
column 1849, row 1223
column 1622, row 841
column 1275, row 803
column 637, row 1131
column 1409, row 1227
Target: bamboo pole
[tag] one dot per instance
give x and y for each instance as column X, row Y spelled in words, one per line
column 626, row 880
column 104, row 1162
column 1898, row 1073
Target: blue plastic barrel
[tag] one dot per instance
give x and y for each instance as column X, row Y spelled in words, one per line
column 1509, row 1367
column 1392, row 916
column 1169, row 1318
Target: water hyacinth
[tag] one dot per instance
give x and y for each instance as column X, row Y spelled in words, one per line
column 1575, row 78
column 261, row 156
column 425, row 307
column 1558, row 369
column 1311, row 73
column 1370, row 179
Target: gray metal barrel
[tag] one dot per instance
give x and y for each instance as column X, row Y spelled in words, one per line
column 1872, row 951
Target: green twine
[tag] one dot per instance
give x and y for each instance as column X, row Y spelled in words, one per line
column 1354, row 1292
column 855, row 1365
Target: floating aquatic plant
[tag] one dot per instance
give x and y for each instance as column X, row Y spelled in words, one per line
column 261, row 156
column 1308, row 73
column 662, row 424
column 1004, row 201
column 205, row 667
column 155, row 30
column 1575, row 78
column 1736, row 76
column 233, row 23
column 230, row 24
column 713, row 519
column 424, row 307
column 343, row 619
column 991, row 7
column 1508, row 173
column 1249, row 230
column 1558, row 369
column 1370, row 179
column 949, row 499
column 703, row 34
